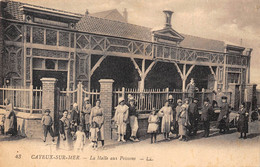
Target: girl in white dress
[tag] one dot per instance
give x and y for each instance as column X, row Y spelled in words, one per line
column 153, row 121
column 81, row 139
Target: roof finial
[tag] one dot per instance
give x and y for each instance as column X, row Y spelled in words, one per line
column 86, row 13
column 168, row 16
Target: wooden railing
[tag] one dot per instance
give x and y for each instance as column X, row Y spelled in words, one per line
column 23, row 99
column 150, row 98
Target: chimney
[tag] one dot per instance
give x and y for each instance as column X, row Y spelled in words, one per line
column 125, row 15
column 86, row 13
column 168, row 16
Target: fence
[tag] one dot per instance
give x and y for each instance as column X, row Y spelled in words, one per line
column 149, row 98
column 68, row 97
column 23, row 99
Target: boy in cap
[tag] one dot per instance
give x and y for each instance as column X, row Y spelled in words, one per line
column 47, row 123
column 223, row 118
column 133, row 119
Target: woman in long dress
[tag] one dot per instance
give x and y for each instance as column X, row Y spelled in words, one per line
column 167, row 119
column 243, row 121
column 183, row 121
column 10, row 125
column 121, row 118
column 65, row 137
column 97, row 115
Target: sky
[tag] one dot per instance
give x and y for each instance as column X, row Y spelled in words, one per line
column 234, row 21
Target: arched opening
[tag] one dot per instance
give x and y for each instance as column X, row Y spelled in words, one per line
column 120, row 69
column 163, row 75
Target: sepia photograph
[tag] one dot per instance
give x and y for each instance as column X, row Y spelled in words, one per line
column 149, row 83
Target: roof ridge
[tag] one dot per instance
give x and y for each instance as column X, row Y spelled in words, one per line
column 118, row 21
column 53, row 9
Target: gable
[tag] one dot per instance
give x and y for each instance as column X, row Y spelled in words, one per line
column 167, row 35
column 110, row 15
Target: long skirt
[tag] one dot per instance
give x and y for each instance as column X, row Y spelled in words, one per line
column 182, row 127
column 166, row 124
column 242, row 126
column 65, row 143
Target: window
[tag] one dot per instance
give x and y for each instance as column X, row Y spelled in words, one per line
column 233, row 77
column 50, row 64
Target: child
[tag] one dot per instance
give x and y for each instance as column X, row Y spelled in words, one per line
column 80, row 139
column 2, row 122
column 47, row 123
column 153, row 121
column 94, row 134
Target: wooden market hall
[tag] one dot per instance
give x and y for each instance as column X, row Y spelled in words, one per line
column 37, row 42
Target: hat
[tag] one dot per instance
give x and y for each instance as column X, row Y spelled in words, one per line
column 86, row 99
column 170, row 97
column 196, row 99
column 224, row 97
column 47, row 110
column 121, row 99
column 75, row 105
column 179, row 101
column 206, row 100
column 131, row 98
column 186, row 99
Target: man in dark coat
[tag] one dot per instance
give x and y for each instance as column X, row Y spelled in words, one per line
column 207, row 111
column 193, row 116
column 223, row 118
column 191, row 87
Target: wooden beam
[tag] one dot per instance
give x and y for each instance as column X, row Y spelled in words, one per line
column 189, row 71
column 97, row 64
column 150, row 68
column 137, row 67
column 179, row 70
column 212, row 71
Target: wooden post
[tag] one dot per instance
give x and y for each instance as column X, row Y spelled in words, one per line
column 123, row 92
column 31, row 99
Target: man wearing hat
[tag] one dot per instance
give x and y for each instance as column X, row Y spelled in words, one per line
column 121, row 118
column 223, row 118
column 191, row 87
column 193, row 116
column 133, row 119
column 86, row 112
column 207, row 110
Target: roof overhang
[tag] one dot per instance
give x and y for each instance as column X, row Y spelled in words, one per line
column 50, row 13
column 235, row 48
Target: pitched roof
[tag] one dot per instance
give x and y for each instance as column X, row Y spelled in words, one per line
column 202, row 43
column 113, row 28
column 110, row 15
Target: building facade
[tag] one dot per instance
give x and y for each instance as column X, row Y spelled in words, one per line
column 37, row 42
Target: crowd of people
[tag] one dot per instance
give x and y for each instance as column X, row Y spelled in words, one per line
column 77, row 127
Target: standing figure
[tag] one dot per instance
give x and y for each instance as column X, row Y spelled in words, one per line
column 191, row 87
column 243, row 119
column 87, row 110
column 174, row 123
column 10, row 124
column 205, row 116
column 65, row 137
column 94, row 131
column 223, row 118
column 47, row 123
column 121, row 118
column 193, row 116
column 183, row 122
column 133, row 119
column 178, row 110
column 75, row 117
column 97, row 115
column 167, row 119
column 153, row 121
column 81, row 139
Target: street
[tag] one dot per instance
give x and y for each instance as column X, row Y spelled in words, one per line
column 216, row 150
